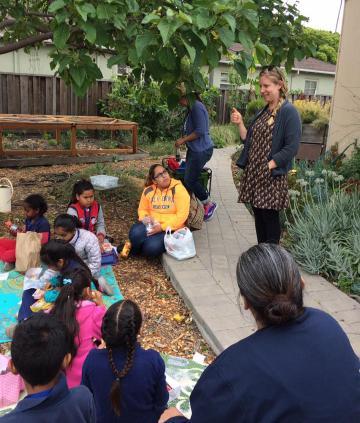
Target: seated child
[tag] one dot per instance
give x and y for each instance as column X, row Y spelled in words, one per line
column 86, row 245
column 61, row 257
column 34, row 207
column 127, row 381
column 58, row 258
column 89, row 212
column 82, row 311
column 40, row 350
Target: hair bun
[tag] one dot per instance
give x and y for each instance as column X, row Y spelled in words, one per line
column 280, row 310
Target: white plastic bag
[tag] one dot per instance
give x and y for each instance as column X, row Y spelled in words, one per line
column 180, row 244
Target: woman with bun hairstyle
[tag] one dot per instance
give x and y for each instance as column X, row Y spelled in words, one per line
column 297, row 367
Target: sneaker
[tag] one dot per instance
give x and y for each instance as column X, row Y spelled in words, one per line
column 104, row 287
column 210, row 209
column 9, row 266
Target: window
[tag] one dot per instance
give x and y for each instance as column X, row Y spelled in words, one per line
column 310, row 87
column 224, row 77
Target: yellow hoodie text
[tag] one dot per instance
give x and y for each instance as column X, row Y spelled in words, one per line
column 169, row 207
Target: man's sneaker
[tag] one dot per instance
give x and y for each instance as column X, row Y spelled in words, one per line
column 209, row 209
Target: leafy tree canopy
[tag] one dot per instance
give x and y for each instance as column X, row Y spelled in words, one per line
column 169, row 41
column 326, row 43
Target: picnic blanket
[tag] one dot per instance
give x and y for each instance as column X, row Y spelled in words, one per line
column 11, row 289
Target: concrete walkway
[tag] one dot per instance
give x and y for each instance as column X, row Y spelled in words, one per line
column 207, row 283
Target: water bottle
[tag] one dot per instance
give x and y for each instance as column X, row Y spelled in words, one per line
column 177, row 155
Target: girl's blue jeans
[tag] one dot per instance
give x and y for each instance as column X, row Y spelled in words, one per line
column 148, row 246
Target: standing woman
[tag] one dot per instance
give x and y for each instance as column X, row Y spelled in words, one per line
column 270, row 144
column 199, row 150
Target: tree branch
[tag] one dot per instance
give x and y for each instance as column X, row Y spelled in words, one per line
column 40, row 15
column 25, row 42
column 7, row 22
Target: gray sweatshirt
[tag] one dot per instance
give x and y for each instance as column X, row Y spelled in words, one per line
column 87, row 248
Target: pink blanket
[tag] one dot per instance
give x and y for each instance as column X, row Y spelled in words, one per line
column 10, row 385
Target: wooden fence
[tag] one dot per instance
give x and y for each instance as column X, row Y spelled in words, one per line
column 48, row 95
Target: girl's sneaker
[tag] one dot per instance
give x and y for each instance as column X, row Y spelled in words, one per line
column 209, row 209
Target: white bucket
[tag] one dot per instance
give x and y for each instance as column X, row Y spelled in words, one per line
column 6, row 193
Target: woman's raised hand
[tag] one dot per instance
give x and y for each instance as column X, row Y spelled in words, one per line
column 236, row 116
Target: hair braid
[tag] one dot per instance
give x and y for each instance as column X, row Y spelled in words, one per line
column 120, row 327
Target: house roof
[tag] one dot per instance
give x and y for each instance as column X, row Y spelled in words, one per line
column 309, row 64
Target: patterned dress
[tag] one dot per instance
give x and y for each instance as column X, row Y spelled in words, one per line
column 258, row 187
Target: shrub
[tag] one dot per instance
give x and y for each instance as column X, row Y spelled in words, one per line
column 351, row 167
column 311, row 111
column 143, row 102
column 324, row 233
column 223, row 135
column 252, row 108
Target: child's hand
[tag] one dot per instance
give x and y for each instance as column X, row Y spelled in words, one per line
column 97, row 297
column 100, row 343
column 101, row 238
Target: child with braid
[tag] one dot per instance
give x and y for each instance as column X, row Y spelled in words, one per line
column 127, row 381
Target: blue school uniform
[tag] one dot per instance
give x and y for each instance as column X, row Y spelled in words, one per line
column 39, row 224
column 144, row 394
column 302, row 371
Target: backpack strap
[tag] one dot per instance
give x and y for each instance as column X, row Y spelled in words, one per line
column 148, row 190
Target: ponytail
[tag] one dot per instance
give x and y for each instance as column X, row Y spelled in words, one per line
column 71, row 293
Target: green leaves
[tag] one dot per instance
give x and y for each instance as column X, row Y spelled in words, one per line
column 251, row 16
column 85, row 10
column 167, row 58
column 90, row 32
column 230, row 20
column 78, row 75
column 56, row 5
column 61, row 35
column 142, row 41
column 226, row 36
column 202, row 19
column 213, row 55
column 167, row 28
column 105, row 11
column 171, row 40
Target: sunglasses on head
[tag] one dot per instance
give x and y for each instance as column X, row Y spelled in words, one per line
column 271, row 68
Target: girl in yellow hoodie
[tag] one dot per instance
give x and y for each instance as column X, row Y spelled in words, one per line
column 164, row 203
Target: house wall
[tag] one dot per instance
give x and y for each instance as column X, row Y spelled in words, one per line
column 296, row 80
column 345, row 114
column 324, row 86
column 37, row 62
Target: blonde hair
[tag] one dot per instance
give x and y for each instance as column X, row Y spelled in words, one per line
column 278, row 77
